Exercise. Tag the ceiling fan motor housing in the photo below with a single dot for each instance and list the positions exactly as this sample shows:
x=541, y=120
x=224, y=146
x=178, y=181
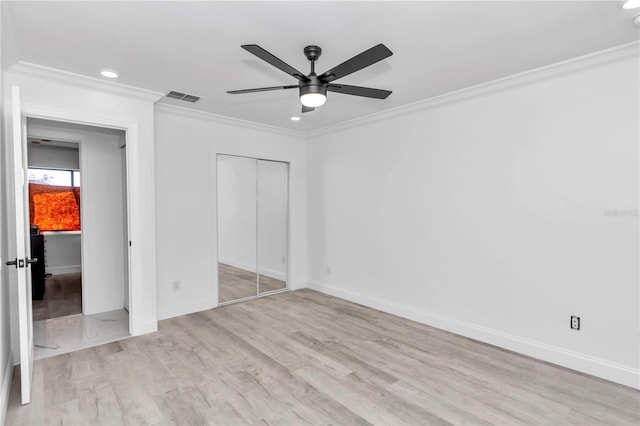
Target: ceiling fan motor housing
x=314, y=85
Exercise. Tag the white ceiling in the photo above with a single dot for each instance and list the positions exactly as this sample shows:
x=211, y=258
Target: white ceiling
x=194, y=47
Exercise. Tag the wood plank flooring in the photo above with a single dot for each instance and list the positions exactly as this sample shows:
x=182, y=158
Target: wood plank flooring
x=235, y=283
x=302, y=357
x=62, y=297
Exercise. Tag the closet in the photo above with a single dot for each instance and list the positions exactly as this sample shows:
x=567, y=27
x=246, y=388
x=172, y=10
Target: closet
x=253, y=222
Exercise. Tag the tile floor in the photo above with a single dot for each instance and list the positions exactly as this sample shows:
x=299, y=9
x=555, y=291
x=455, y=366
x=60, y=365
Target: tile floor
x=71, y=333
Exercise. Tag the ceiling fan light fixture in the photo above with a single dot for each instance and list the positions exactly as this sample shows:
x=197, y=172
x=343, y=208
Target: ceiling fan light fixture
x=313, y=100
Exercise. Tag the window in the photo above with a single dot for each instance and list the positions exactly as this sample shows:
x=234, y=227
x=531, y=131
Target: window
x=54, y=177
x=54, y=199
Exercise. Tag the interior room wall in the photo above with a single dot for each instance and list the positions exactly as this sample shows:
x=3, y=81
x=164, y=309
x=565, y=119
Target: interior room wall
x=53, y=157
x=101, y=213
x=63, y=252
x=186, y=148
x=497, y=217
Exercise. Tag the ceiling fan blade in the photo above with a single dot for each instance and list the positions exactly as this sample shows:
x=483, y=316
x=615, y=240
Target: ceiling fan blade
x=307, y=109
x=363, y=60
x=262, y=89
x=367, y=92
x=276, y=62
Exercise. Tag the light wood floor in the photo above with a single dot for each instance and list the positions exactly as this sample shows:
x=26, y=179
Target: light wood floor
x=235, y=283
x=306, y=358
x=62, y=297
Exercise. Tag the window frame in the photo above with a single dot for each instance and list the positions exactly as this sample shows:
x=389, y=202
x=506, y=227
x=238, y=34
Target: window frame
x=71, y=173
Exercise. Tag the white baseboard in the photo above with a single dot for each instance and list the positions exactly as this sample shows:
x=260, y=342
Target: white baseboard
x=185, y=309
x=271, y=273
x=64, y=269
x=576, y=361
x=6, y=388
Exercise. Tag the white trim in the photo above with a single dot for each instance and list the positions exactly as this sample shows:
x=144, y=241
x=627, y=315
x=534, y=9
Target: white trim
x=64, y=270
x=559, y=69
x=185, y=309
x=574, y=360
x=222, y=119
x=574, y=65
x=137, y=326
x=6, y=388
x=53, y=74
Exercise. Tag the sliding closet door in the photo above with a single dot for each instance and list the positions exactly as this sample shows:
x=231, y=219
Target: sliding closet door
x=273, y=207
x=237, y=229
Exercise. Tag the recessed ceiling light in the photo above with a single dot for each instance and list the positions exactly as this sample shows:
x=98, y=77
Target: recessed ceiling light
x=295, y=118
x=631, y=4
x=636, y=20
x=109, y=73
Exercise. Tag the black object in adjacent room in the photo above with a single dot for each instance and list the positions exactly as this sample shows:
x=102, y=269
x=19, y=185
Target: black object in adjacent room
x=37, y=269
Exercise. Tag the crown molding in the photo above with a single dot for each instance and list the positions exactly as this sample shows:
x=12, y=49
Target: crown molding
x=79, y=80
x=222, y=119
x=582, y=63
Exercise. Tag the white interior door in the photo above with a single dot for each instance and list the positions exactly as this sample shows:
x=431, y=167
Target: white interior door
x=22, y=247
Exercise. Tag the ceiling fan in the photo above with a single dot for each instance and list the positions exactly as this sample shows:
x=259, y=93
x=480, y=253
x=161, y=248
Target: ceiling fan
x=313, y=88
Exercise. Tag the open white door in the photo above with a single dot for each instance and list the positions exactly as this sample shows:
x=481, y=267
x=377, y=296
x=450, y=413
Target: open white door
x=22, y=247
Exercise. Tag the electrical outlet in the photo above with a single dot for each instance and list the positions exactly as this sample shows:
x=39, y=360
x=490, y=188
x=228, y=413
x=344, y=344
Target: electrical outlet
x=575, y=322
x=328, y=270
x=176, y=285
x=284, y=260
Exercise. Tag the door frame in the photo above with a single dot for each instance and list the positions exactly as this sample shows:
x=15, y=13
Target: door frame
x=133, y=219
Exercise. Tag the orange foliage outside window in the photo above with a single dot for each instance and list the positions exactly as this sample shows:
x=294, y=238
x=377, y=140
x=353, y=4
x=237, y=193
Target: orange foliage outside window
x=56, y=211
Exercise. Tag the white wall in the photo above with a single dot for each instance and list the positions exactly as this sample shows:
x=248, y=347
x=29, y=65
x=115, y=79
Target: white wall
x=186, y=148
x=63, y=96
x=102, y=216
x=54, y=157
x=491, y=217
x=63, y=253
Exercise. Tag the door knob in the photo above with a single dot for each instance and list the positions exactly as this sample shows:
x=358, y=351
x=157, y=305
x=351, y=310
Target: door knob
x=13, y=262
x=31, y=261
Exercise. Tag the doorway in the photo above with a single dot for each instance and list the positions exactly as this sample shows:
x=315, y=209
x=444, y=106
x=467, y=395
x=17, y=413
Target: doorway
x=84, y=301
x=253, y=227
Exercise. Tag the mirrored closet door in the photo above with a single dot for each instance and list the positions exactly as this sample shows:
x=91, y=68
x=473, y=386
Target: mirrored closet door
x=253, y=218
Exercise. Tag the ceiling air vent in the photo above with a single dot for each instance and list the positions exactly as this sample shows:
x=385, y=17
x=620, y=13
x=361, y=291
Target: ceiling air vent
x=183, y=96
